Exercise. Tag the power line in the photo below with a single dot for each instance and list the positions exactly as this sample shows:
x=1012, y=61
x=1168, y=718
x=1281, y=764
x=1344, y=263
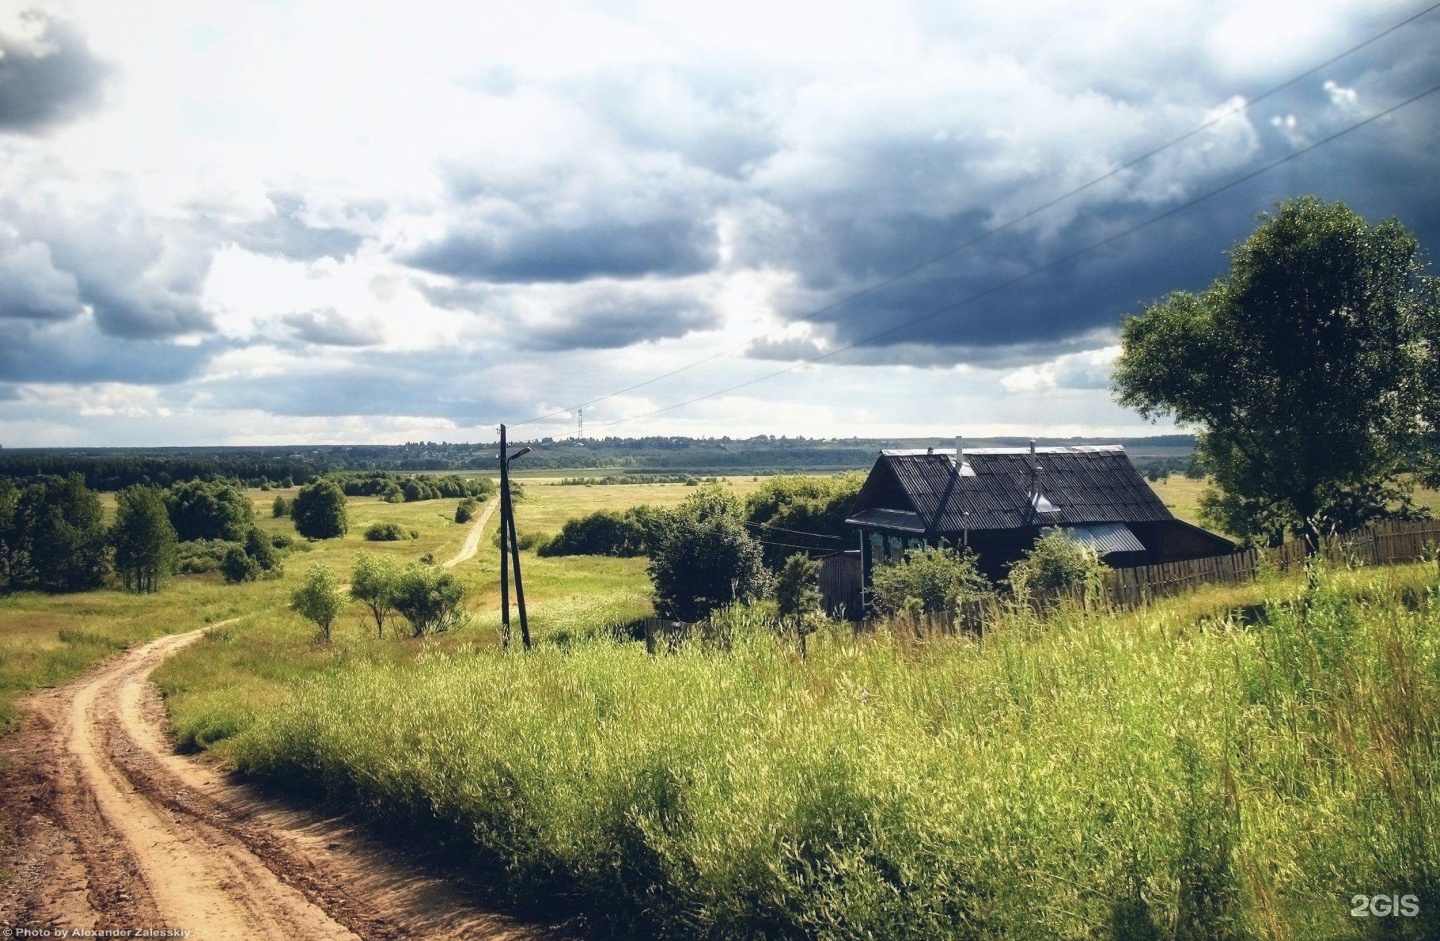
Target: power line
x=1222, y=115
x=791, y=545
x=1034, y=271
x=793, y=532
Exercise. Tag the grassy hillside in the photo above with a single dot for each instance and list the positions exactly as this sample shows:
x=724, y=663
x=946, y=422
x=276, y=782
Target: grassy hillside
x=1235, y=763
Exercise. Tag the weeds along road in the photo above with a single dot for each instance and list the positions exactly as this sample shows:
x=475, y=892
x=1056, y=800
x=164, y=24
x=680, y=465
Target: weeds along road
x=118, y=831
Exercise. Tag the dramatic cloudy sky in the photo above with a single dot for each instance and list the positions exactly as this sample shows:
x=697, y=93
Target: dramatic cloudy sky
x=308, y=221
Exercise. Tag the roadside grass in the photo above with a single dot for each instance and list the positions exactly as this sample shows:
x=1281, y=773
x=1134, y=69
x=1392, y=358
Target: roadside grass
x=1235, y=762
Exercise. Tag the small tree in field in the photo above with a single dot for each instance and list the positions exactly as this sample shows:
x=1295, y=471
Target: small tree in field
x=1056, y=565
x=237, y=566
x=797, y=595
x=319, y=511
x=705, y=563
x=928, y=579
x=430, y=598
x=373, y=584
x=281, y=507
x=319, y=599
x=143, y=538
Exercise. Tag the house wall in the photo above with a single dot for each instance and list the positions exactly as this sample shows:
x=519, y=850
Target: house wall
x=1173, y=541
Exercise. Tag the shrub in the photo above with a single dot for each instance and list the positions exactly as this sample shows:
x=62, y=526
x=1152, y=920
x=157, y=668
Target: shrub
x=607, y=532
x=1056, y=565
x=384, y=532
x=429, y=598
x=237, y=565
x=318, y=599
x=203, y=555
x=281, y=507
x=143, y=538
x=319, y=511
x=929, y=579
x=465, y=511
x=705, y=563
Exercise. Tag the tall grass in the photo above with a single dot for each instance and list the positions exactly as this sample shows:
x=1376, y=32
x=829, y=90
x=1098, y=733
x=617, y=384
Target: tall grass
x=1142, y=775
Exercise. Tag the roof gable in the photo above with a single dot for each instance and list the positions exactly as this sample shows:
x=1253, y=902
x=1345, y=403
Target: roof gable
x=1083, y=484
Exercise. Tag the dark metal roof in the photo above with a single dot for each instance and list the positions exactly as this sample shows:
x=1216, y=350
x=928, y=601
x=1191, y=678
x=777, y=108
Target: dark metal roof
x=1104, y=538
x=997, y=488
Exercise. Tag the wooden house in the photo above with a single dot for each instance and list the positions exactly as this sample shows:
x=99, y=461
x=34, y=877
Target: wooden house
x=999, y=501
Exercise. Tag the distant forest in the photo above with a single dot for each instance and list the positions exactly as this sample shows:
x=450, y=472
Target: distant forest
x=114, y=468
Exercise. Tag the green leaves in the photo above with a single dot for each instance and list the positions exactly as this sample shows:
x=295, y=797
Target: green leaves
x=1308, y=369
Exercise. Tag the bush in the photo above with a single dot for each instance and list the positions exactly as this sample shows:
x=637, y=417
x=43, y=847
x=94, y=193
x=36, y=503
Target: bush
x=237, y=566
x=281, y=507
x=607, y=532
x=429, y=598
x=319, y=511
x=318, y=599
x=706, y=562
x=203, y=555
x=384, y=532
x=465, y=511
x=934, y=580
x=1056, y=565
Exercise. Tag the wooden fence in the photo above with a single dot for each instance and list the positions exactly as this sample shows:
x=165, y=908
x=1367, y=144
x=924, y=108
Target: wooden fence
x=1384, y=543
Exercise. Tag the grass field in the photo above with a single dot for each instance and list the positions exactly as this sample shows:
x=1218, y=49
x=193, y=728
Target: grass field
x=48, y=639
x=1238, y=762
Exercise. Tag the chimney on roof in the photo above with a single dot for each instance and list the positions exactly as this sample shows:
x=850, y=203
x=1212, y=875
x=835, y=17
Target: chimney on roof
x=930, y=449
x=959, y=450
x=1032, y=449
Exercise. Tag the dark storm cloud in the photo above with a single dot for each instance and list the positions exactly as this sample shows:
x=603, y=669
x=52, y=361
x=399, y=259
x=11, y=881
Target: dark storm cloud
x=48, y=81
x=142, y=277
x=838, y=246
x=616, y=322
x=74, y=352
x=286, y=234
x=328, y=328
x=31, y=288
x=444, y=384
x=547, y=252
x=592, y=316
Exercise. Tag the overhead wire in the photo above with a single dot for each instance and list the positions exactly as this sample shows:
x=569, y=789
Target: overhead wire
x=1055, y=263
x=1215, y=119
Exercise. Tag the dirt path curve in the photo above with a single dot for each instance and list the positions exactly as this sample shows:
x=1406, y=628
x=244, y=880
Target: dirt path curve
x=117, y=831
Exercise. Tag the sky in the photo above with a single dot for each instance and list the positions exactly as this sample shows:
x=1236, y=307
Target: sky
x=313, y=222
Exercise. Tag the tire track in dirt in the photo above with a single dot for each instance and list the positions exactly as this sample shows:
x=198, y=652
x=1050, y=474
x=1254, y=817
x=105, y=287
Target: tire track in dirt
x=116, y=830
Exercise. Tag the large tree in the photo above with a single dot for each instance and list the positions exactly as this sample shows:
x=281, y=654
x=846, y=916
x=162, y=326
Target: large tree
x=143, y=538
x=209, y=509
x=1308, y=371
x=319, y=510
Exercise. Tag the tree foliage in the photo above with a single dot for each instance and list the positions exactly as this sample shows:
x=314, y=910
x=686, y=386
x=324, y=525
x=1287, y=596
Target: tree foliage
x=319, y=511
x=629, y=532
x=209, y=510
x=143, y=538
x=705, y=561
x=797, y=589
x=429, y=598
x=281, y=507
x=1309, y=371
x=931, y=579
x=52, y=536
x=373, y=583
x=319, y=599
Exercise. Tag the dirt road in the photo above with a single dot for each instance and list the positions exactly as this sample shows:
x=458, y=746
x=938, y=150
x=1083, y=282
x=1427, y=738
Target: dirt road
x=116, y=831
x=472, y=538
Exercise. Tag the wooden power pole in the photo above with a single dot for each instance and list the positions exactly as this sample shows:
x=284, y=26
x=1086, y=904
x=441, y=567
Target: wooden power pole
x=509, y=552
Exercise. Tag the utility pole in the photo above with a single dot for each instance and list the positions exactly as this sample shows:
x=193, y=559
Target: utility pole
x=510, y=550
x=580, y=431
x=504, y=535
